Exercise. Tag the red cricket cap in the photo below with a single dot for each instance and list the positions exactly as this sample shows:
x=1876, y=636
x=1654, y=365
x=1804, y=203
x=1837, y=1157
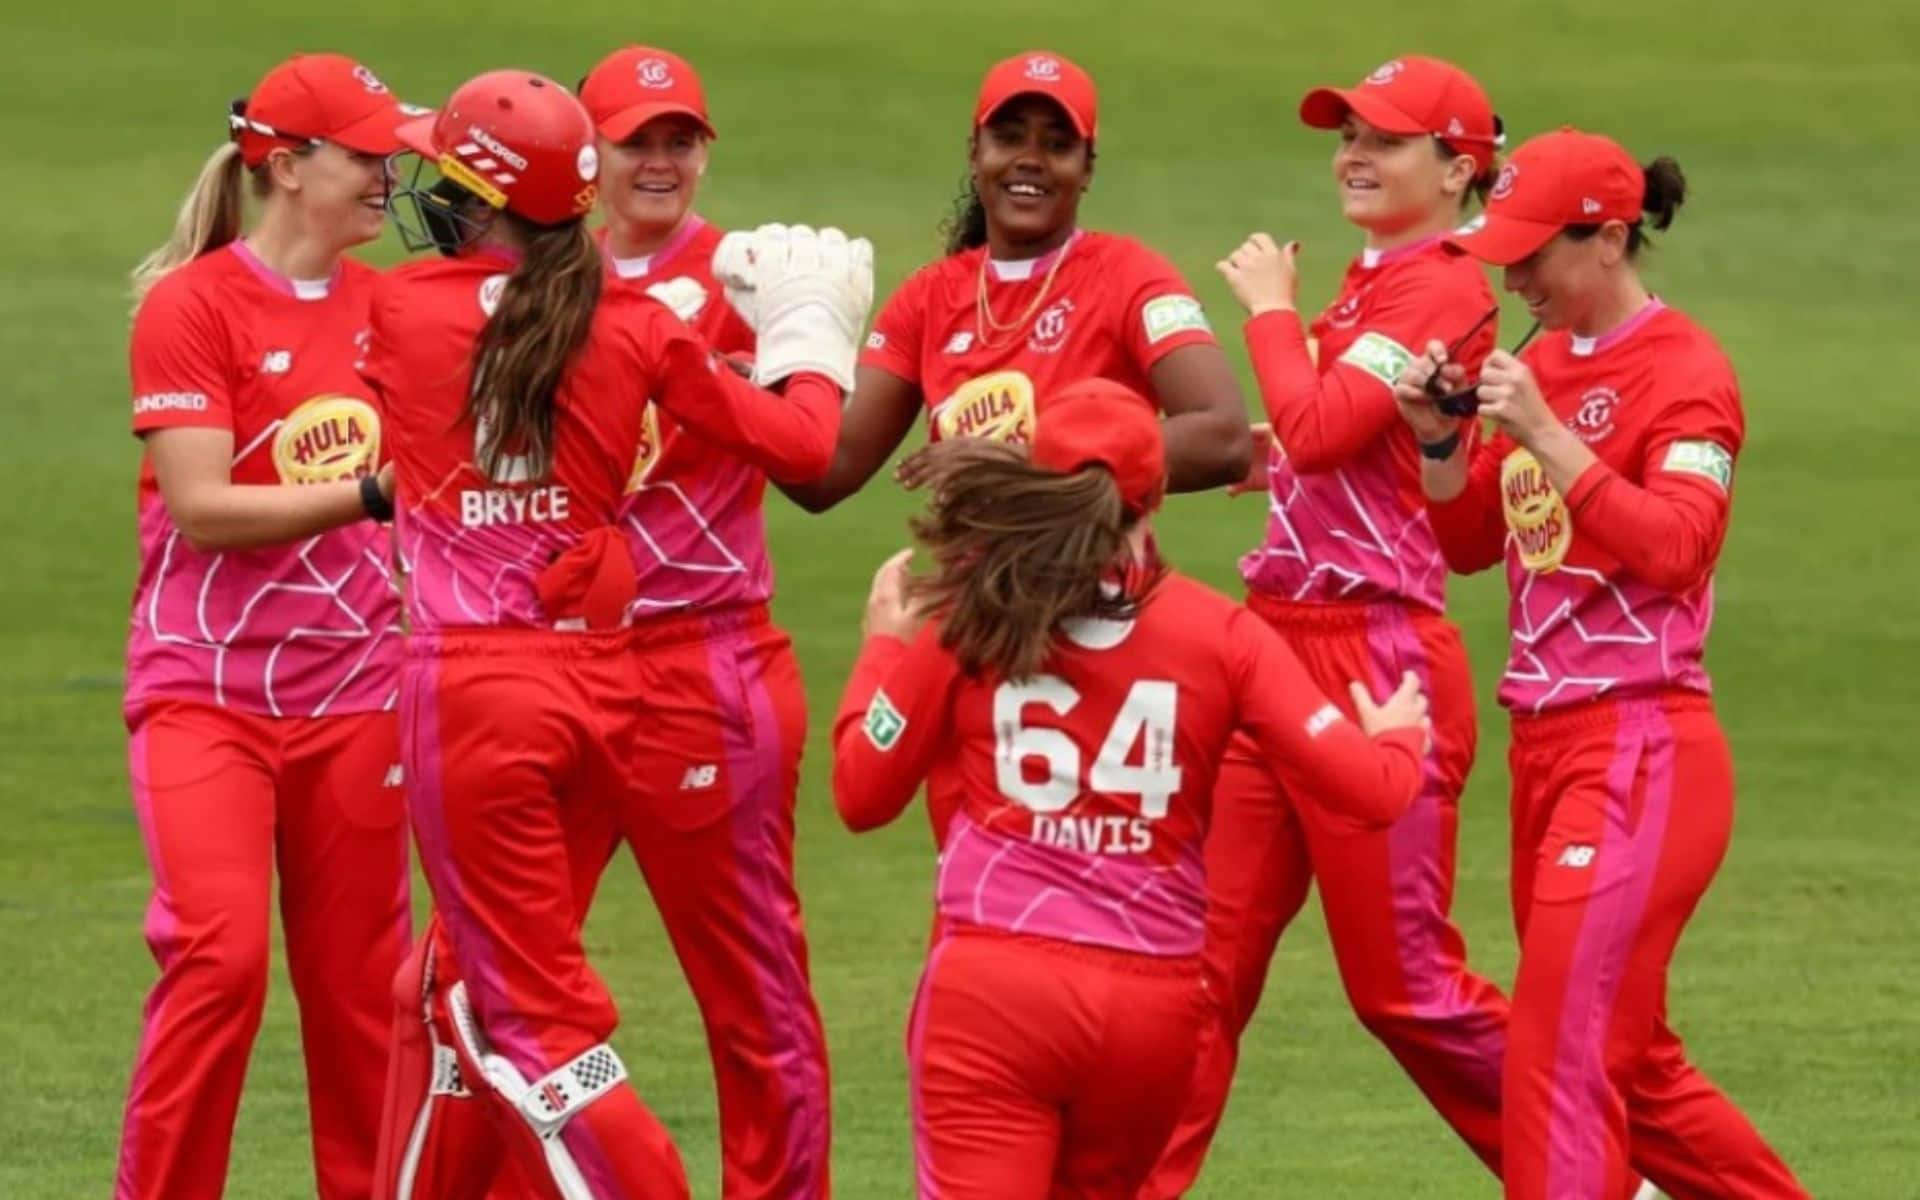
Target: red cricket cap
x=636, y=84
x=1100, y=422
x=1555, y=180
x=1414, y=94
x=1040, y=73
x=317, y=97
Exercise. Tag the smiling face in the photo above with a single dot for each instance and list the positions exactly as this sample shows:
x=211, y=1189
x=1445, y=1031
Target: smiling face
x=1567, y=282
x=648, y=181
x=1390, y=183
x=1030, y=166
x=341, y=194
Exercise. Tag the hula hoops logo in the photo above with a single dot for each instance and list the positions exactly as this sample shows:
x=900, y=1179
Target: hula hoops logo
x=588, y=164
x=326, y=439
x=369, y=80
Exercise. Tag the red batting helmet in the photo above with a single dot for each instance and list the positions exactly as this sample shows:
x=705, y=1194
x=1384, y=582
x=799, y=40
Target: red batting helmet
x=517, y=140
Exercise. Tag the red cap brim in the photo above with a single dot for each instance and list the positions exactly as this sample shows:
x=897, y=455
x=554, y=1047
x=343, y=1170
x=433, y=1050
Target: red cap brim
x=625, y=123
x=376, y=133
x=417, y=135
x=1079, y=124
x=1325, y=108
x=1503, y=241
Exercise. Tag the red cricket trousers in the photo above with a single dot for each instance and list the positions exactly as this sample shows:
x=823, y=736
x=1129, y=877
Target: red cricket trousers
x=224, y=798
x=1387, y=893
x=714, y=769
x=515, y=744
x=1044, y=1070
x=1622, y=810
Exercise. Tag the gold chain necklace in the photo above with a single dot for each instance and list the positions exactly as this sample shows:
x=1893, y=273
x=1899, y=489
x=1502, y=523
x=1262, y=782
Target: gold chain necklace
x=983, y=309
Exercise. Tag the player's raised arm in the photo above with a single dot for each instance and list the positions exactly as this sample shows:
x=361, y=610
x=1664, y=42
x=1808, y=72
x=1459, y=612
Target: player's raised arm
x=811, y=293
x=893, y=714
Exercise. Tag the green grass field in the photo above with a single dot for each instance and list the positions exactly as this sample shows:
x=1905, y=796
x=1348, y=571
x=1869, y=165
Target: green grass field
x=1798, y=985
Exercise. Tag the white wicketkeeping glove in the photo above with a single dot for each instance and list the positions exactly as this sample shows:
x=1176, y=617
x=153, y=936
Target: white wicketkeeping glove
x=733, y=266
x=811, y=295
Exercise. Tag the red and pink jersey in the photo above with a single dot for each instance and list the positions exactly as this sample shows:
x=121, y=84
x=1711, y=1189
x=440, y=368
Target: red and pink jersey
x=476, y=547
x=306, y=629
x=1087, y=790
x=1612, y=584
x=692, y=510
x=1346, y=521
x=1101, y=305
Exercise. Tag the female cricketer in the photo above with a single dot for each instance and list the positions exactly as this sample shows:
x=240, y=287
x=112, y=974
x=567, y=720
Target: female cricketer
x=715, y=771
x=1606, y=492
x=264, y=650
x=519, y=383
x=1350, y=573
x=1082, y=695
x=1025, y=302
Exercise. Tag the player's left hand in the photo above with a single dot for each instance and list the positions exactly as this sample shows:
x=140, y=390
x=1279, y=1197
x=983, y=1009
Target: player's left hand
x=1263, y=274
x=890, y=612
x=1510, y=397
x=932, y=464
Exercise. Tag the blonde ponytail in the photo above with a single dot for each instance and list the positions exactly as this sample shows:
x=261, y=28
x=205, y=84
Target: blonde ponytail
x=209, y=218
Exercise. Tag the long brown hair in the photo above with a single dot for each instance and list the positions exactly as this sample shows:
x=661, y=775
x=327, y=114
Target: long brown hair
x=541, y=322
x=1018, y=549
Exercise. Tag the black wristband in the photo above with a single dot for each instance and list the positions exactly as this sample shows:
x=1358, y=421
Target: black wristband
x=378, y=506
x=1441, y=450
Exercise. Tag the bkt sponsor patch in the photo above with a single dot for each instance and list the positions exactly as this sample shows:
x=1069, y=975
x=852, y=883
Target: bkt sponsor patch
x=1379, y=356
x=1708, y=460
x=1167, y=315
x=154, y=402
x=884, y=724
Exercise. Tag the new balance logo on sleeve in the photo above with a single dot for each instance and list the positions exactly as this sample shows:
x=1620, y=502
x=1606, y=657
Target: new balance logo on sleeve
x=1323, y=717
x=395, y=776
x=699, y=778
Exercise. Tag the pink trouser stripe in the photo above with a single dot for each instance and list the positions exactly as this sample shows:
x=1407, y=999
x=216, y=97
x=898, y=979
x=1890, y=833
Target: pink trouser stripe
x=755, y=762
x=1416, y=857
x=1625, y=867
x=916, y=1065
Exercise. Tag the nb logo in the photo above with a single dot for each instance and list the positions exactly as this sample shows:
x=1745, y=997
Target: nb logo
x=700, y=777
x=277, y=362
x=395, y=776
x=1577, y=857
x=960, y=343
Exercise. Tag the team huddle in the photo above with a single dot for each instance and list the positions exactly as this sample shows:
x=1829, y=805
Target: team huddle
x=469, y=555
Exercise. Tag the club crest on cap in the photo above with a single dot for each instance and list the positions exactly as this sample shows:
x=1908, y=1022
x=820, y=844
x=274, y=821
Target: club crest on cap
x=1043, y=68
x=1503, y=184
x=654, y=73
x=369, y=80
x=1455, y=128
x=1385, y=72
